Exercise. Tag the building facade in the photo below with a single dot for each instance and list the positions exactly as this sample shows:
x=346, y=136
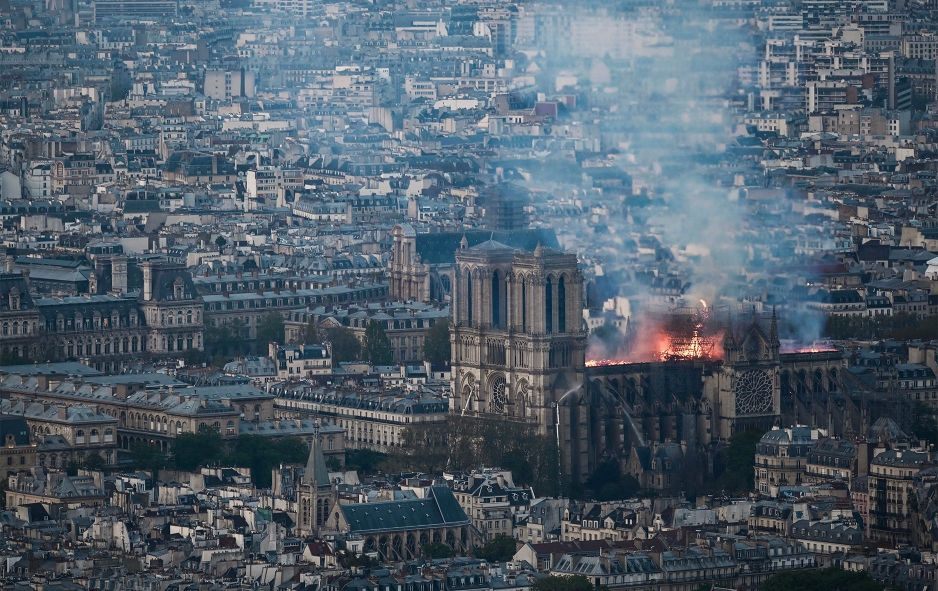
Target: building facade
x=518, y=342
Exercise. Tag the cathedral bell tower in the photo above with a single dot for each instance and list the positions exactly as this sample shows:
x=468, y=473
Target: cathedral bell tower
x=518, y=342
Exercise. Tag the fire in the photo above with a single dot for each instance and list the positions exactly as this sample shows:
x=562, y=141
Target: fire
x=815, y=347
x=681, y=336
x=661, y=346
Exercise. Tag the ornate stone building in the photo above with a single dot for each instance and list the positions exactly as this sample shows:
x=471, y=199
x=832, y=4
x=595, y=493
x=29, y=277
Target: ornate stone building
x=400, y=529
x=423, y=265
x=66, y=433
x=140, y=414
x=102, y=330
x=519, y=344
x=19, y=319
x=17, y=450
x=172, y=308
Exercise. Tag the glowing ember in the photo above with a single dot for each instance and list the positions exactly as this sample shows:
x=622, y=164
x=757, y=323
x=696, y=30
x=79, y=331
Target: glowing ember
x=815, y=347
x=664, y=347
x=605, y=362
x=680, y=337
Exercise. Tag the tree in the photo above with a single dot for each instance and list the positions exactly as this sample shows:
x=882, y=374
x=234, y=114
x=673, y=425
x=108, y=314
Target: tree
x=554, y=583
x=828, y=579
x=147, y=457
x=345, y=347
x=738, y=461
x=220, y=242
x=475, y=441
x=348, y=560
x=424, y=447
x=365, y=461
x=311, y=335
x=262, y=454
x=607, y=483
x=501, y=548
x=193, y=450
x=223, y=341
x=437, y=550
x=270, y=328
x=436, y=347
x=924, y=425
x=377, y=344
x=94, y=461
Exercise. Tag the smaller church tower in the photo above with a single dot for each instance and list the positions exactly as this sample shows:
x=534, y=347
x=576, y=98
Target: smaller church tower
x=315, y=495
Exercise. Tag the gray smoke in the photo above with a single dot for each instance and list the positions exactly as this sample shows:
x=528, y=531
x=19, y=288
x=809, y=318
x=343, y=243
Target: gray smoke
x=664, y=97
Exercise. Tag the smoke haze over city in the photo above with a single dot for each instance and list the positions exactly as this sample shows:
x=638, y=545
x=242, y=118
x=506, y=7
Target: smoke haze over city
x=468, y=295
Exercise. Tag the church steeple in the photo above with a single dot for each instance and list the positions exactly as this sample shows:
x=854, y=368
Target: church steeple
x=316, y=473
x=315, y=495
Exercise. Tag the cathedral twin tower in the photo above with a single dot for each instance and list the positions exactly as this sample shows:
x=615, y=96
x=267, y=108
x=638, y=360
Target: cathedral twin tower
x=518, y=341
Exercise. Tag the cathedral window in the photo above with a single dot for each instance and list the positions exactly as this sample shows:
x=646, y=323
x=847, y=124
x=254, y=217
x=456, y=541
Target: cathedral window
x=548, y=306
x=469, y=297
x=524, y=306
x=561, y=306
x=496, y=311
x=499, y=395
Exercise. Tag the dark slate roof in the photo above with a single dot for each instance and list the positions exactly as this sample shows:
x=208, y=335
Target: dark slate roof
x=164, y=279
x=437, y=510
x=440, y=247
x=9, y=282
x=316, y=473
x=15, y=426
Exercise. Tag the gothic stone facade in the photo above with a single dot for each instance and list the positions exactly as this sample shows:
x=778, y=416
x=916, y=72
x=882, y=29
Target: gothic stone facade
x=519, y=344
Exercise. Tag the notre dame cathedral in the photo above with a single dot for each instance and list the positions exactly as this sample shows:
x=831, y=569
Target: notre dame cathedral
x=518, y=355
x=518, y=344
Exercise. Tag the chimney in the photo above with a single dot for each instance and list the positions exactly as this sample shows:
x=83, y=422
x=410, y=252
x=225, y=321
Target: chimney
x=119, y=275
x=147, y=268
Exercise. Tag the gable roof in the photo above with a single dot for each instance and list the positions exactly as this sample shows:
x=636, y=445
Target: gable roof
x=438, y=509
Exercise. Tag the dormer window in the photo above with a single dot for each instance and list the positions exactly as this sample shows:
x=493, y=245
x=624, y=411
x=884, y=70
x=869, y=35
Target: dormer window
x=14, y=299
x=178, y=287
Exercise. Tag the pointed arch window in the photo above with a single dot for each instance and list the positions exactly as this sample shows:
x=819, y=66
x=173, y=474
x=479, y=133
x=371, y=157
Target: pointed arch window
x=469, y=297
x=496, y=304
x=549, y=306
x=561, y=306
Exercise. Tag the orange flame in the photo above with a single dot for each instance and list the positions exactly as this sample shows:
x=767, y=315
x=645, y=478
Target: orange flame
x=661, y=346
